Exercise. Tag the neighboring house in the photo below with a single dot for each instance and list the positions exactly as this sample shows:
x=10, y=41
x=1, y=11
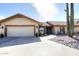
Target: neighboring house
x=19, y=26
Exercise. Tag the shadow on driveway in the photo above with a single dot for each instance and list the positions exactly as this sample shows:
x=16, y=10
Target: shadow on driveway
x=4, y=42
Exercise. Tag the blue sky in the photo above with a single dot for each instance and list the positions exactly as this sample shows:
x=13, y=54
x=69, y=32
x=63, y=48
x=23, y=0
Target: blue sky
x=35, y=11
x=8, y=9
x=61, y=16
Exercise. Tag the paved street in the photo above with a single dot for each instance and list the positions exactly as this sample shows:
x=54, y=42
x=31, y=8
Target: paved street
x=37, y=47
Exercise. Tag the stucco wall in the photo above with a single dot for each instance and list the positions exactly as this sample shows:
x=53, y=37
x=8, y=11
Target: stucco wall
x=56, y=29
x=65, y=30
x=20, y=21
x=76, y=29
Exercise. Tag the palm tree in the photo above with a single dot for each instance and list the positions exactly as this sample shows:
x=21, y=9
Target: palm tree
x=71, y=19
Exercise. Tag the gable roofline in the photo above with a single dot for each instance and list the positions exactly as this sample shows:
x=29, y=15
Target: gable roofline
x=60, y=23
x=18, y=16
x=57, y=23
x=45, y=24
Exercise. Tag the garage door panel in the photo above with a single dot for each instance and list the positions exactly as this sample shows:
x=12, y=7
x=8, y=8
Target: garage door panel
x=20, y=31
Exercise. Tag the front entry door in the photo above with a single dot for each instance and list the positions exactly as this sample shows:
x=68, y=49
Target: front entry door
x=48, y=30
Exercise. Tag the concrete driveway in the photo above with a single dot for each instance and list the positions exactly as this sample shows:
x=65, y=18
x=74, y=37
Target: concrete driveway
x=41, y=46
x=11, y=41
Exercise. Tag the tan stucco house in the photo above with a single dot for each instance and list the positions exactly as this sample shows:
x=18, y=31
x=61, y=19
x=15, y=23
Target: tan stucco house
x=19, y=25
x=22, y=26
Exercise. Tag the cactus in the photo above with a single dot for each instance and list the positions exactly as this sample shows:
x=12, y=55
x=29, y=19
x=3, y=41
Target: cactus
x=71, y=19
x=68, y=21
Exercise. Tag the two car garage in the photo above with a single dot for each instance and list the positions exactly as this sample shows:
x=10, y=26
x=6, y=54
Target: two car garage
x=20, y=31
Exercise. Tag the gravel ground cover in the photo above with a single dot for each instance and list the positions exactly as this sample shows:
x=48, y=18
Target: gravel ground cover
x=66, y=40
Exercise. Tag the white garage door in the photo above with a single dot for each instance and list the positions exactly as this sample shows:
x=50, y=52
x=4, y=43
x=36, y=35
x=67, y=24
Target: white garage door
x=20, y=31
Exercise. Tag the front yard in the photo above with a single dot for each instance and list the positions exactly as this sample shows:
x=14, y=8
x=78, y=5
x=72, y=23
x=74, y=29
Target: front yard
x=41, y=46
